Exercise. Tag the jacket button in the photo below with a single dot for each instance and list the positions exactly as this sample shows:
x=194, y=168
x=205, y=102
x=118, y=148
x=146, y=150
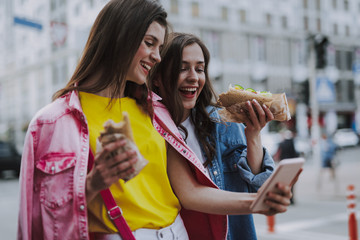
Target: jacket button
x=82, y=207
x=215, y=173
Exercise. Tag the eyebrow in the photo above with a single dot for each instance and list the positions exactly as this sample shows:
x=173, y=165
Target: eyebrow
x=198, y=62
x=153, y=37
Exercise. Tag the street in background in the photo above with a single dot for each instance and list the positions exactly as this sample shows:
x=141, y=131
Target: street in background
x=317, y=213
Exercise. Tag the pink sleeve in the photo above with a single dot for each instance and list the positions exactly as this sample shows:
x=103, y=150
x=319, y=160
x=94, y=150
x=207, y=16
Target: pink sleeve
x=26, y=189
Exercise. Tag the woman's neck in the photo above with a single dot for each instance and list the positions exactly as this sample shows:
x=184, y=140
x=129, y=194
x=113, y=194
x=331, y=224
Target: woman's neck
x=186, y=115
x=107, y=92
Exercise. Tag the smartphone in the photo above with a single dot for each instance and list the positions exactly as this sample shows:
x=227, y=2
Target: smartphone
x=285, y=173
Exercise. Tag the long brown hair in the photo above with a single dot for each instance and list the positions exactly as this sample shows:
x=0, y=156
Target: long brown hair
x=168, y=71
x=113, y=42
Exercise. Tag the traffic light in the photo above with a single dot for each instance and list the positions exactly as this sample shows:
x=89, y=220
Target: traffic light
x=321, y=43
x=303, y=92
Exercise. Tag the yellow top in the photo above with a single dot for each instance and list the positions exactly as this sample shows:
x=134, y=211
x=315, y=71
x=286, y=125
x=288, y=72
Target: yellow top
x=147, y=200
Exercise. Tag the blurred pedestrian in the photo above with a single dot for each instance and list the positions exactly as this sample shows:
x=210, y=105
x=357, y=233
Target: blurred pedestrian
x=328, y=158
x=286, y=149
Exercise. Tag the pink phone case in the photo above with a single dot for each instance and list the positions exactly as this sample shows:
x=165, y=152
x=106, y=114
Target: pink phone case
x=285, y=172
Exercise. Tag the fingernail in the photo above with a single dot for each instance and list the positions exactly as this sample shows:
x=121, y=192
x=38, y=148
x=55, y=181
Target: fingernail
x=264, y=106
x=254, y=100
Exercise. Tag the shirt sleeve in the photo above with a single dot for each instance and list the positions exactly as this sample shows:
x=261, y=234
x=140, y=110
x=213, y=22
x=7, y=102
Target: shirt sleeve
x=256, y=180
x=26, y=189
x=233, y=151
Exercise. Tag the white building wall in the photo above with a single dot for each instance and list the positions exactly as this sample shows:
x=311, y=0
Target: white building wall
x=32, y=67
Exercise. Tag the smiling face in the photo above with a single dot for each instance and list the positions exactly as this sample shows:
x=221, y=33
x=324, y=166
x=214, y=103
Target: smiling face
x=147, y=55
x=192, y=76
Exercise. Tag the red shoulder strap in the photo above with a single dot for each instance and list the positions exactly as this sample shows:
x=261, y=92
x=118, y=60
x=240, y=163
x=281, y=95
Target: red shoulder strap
x=114, y=211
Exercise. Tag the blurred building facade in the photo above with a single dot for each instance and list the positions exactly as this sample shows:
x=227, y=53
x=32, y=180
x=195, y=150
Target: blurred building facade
x=260, y=44
x=41, y=42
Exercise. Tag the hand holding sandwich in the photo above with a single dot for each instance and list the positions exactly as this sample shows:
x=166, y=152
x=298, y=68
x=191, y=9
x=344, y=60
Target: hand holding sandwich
x=258, y=116
x=117, y=157
x=109, y=168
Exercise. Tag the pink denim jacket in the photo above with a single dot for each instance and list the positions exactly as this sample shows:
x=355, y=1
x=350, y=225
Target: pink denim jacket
x=54, y=168
x=53, y=173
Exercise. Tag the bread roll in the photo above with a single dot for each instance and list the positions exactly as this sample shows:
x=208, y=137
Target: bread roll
x=235, y=99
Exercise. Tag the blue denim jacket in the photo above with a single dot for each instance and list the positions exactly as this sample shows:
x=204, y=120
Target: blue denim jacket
x=230, y=171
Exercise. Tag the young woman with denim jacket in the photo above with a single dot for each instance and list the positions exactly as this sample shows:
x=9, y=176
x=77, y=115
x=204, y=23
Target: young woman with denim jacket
x=232, y=153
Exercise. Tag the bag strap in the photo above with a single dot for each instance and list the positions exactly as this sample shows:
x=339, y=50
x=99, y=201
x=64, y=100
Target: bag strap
x=114, y=211
x=115, y=214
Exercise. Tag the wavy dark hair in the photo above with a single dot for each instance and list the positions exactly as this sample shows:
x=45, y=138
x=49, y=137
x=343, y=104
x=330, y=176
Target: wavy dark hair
x=112, y=44
x=166, y=74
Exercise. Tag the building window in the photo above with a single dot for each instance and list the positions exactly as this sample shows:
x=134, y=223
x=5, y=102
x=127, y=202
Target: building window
x=284, y=22
x=232, y=52
x=331, y=56
x=344, y=91
x=318, y=24
x=39, y=11
x=24, y=92
x=91, y=3
x=335, y=29
x=195, y=9
x=346, y=5
x=299, y=56
x=242, y=14
x=344, y=60
x=224, y=13
x=62, y=3
x=334, y=4
x=64, y=72
x=212, y=41
x=305, y=4
x=258, y=49
x=77, y=9
x=347, y=30
x=53, y=5
x=306, y=23
x=174, y=6
x=349, y=60
x=268, y=19
x=55, y=75
x=318, y=5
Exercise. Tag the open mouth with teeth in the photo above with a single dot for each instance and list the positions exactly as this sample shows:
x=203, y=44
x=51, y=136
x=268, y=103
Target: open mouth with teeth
x=145, y=66
x=188, y=92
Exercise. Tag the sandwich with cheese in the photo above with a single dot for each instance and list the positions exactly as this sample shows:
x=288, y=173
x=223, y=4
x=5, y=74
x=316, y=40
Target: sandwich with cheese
x=236, y=97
